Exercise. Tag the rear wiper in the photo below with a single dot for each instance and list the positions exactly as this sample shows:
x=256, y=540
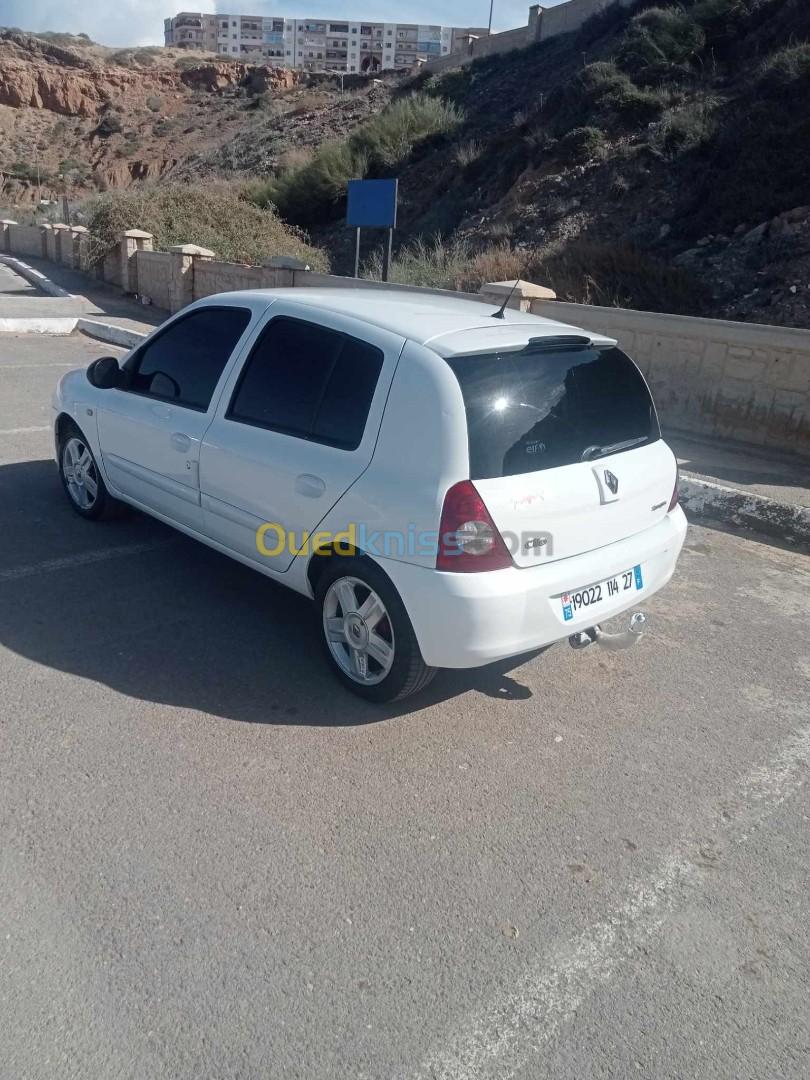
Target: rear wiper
x=591, y=452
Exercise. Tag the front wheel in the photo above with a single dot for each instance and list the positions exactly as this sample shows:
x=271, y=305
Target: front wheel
x=368, y=636
x=81, y=478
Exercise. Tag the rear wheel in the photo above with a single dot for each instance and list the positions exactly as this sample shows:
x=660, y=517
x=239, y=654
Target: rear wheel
x=81, y=478
x=367, y=634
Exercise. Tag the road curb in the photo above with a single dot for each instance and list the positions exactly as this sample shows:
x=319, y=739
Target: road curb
x=734, y=507
x=62, y=326
x=45, y=325
x=115, y=335
x=36, y=278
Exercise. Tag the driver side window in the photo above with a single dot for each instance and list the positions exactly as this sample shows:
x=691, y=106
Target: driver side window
x=183, y=364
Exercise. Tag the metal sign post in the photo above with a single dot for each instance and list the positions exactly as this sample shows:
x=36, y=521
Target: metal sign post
x=372, y=204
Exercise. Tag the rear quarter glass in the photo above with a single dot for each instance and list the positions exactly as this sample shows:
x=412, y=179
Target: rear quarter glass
x=541, y=408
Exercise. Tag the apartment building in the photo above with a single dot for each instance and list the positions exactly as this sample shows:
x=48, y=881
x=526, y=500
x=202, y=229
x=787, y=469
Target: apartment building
x=350, y=45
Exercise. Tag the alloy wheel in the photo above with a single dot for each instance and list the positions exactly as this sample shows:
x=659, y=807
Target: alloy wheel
x=80, y=474
x=358, y=631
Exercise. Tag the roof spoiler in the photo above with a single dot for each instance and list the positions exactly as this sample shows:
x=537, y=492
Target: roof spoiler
x=558, y=341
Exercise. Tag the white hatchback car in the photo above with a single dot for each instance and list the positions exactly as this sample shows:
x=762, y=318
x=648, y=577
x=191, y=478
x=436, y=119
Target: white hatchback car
x=452, y=485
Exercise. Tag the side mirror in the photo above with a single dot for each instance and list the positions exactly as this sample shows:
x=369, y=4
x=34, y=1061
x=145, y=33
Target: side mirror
x=104, y=374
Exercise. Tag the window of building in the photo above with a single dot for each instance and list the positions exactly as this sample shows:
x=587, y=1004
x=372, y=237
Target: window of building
x=324, y=395
x=184, y=362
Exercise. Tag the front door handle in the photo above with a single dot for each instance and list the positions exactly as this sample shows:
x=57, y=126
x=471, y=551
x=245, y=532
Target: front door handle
x=181, y=442
x=309, y=485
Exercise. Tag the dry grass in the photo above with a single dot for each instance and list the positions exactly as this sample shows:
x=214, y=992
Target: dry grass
x=450, y=264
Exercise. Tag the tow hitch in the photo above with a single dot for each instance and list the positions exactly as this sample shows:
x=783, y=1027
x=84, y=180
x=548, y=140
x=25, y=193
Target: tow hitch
x=625, y=640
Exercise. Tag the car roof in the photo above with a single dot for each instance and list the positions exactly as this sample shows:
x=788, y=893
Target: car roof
x=449, y=325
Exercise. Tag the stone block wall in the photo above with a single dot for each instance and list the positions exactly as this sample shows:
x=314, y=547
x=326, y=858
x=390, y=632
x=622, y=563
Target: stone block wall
x=25, y=240
x=212, y=276
x=713, y=378
x=154, y=276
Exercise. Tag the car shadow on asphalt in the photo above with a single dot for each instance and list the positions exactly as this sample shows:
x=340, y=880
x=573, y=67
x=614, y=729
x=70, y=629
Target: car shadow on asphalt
x=154, y=615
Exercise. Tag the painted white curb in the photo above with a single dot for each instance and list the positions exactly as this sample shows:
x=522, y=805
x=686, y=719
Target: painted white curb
x=36, y=278
x=735, y=507
x=103, y=331
x=115, y=335
x=38, y=326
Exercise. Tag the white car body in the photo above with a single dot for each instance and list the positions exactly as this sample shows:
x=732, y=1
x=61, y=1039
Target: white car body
x=219, y=480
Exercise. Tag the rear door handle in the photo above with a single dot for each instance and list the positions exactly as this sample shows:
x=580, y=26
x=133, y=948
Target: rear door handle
x=311, y=486
x=181, y=442
x=163, y=412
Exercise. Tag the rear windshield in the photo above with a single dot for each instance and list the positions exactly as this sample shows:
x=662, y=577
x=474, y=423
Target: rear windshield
x=534, y=410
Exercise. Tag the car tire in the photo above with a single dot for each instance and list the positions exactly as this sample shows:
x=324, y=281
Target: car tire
x=366, y=633
x=81, y=478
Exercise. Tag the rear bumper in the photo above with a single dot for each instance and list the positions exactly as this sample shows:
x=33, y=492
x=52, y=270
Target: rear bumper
x=466, y=620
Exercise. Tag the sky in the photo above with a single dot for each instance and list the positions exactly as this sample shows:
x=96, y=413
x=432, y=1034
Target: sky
x=140, y=22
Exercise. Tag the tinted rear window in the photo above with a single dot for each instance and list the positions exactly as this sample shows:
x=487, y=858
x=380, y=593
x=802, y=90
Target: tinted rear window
x=529, y=411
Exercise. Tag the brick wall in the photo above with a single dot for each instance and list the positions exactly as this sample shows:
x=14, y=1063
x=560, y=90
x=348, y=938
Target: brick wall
x=709, y=377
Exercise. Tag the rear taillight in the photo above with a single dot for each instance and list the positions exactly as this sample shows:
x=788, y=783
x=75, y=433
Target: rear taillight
x=673, y=502
x=468, y=539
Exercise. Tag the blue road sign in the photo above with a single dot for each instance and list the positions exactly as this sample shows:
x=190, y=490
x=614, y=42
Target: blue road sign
x=372, y=204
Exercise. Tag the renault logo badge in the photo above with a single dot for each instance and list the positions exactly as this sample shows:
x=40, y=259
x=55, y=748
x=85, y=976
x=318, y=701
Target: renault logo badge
x=611, y=481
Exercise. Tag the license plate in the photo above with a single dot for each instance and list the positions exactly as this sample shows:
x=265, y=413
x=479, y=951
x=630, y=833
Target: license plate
x=594, y=596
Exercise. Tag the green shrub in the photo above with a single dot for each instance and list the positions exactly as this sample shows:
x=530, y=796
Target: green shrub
x=143, y=56
x=785, y=69
x=723, y=20
x=313, y=191
x=582, y=144
x=388, y=138
x=449, y=264
x=23, y=170
x=109, y=124
x=154, y=103
x=685, y=129
x=602, y=92
x=451, y=85
x=660, y=36
x=211, y=215
x=74, y=169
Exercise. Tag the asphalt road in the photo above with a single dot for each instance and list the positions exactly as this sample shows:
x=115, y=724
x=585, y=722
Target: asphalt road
x=216, y=864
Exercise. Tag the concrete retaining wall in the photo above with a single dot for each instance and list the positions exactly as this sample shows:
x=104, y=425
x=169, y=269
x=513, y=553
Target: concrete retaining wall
x=740, y=381
x=518, y=38
x=565, y=18
x=543, y=23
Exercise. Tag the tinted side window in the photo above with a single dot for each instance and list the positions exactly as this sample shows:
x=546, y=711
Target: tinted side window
x=184, y=363
x=308, y=381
